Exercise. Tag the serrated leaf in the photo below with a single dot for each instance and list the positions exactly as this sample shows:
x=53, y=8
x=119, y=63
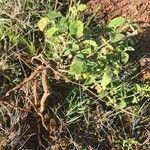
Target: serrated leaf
x=50, y=32
x=117, y=22
x=43, y=23
x=76, y=28
x=106, y=79
x=124, y=57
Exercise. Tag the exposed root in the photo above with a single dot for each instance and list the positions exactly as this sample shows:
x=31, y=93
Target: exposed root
x=45, y=89
x=30, y=78
x=33, y=77
x=35, y=92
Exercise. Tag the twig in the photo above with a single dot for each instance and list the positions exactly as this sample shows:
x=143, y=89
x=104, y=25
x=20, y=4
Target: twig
x=46, y=90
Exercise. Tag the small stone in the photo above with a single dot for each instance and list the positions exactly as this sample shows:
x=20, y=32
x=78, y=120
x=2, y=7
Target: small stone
x=145, y=68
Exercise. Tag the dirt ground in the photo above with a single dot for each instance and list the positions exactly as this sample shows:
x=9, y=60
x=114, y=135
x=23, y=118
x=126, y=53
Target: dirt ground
x=136, y=10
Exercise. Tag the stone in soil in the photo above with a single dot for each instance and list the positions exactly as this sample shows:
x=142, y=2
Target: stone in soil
x=145, y=68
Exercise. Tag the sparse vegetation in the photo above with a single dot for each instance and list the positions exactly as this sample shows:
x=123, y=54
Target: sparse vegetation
x=66, y=79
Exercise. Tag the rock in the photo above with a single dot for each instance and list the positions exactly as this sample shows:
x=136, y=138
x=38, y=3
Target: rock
x=145, y=68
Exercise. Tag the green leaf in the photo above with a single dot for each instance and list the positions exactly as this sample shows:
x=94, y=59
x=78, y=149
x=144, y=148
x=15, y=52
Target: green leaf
x=116, y=22
x=90, y=43
x=77, y=66
x=124, y=57
x=63, y=24
x=90, y=79
x=81, y=7
x=137, y=87
x=76, y=28
x=55, y=55
x=131, y=49
x=67, y=52
x=73, y=119
x=117, y=68
x=92, y=64
x=42, y=24
x=122, y=104
x=134, y=101
x=51, y=31
x=1, y=30
x=75, y=47
x=79, y=56
x=116, y=71
x=87, y=51
x=106, y=79
x=54, y=14
x=117, y=38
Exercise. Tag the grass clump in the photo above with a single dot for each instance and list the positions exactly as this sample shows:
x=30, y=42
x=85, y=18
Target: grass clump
x=72, y=78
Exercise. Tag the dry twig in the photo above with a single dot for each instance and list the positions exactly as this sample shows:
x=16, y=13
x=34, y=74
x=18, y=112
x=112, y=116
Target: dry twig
x=46, y=90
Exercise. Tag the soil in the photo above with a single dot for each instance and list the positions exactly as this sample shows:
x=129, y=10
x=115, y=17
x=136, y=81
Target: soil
x=136, y=10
